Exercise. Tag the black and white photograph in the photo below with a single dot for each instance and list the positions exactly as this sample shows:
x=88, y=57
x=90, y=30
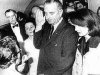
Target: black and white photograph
x=49, y=37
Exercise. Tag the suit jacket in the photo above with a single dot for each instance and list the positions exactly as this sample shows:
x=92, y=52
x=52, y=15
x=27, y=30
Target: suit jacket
x=6, y=29
x=58, y=53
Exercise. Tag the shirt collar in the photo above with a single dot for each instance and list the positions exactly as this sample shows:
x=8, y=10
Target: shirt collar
x=14, y=24
x=56, y=25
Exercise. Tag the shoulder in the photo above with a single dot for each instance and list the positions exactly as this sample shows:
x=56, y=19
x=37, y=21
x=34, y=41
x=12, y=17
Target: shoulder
x=69, y=33
x=5, y=26
x=69, y=29
x=94, y=42
x=46, y=25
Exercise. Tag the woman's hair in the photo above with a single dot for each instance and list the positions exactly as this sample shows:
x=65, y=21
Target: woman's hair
x=30, y=21
x=87, y=18
x=98, y=11
x=7, y=44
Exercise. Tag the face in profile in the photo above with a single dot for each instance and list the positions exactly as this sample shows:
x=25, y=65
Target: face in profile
x=29, y=27
x=52, y=13
x=82, y=31
x=11, y=16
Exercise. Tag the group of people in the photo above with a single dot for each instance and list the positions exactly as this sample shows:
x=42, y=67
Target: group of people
x=75, y=5
x=87, y=24
x=22, y=30
x=47, y=44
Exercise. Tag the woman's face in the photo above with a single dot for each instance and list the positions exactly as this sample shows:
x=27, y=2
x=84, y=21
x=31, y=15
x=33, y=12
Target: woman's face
x=82, y=31
x=29, y=27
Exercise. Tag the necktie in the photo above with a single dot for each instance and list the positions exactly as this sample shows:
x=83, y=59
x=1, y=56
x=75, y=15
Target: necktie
x=83, y=46
x=51, y=31
x=15, y=26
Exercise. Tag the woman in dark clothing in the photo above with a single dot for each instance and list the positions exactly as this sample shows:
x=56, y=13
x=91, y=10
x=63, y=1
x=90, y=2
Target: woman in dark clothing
x=87, y=24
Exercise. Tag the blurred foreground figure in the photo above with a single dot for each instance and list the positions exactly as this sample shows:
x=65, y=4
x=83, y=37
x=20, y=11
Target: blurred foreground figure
x=9, y=56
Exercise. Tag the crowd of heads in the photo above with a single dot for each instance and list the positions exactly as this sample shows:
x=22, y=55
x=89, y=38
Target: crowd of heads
x=74, y=5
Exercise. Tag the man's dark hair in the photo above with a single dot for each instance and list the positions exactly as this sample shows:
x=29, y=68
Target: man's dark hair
x=9, y=10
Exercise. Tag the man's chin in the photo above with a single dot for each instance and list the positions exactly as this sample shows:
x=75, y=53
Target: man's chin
x=50, y=22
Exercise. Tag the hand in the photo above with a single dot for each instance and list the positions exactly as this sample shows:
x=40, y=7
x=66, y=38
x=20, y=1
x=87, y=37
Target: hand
x=40, y=19
x=24, y=58
x=21, y=67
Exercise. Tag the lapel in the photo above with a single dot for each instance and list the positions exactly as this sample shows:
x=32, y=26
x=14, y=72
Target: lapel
x=21, y=27
x=10, y=28
x=57, y=32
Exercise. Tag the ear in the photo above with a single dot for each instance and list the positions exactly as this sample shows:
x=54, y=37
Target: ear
x=15, y=15
x=61, y=12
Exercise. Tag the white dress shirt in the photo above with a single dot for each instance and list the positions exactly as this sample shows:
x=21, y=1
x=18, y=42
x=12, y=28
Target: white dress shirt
x=17, y=33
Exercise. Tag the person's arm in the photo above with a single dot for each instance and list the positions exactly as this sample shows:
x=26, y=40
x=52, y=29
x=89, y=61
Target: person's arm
x=41, y=37
x=23, y=66
x=38, y=39
x=40, y=20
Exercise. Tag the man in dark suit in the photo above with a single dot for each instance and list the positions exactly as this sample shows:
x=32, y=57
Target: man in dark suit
x=57, y=54
x=15, y=27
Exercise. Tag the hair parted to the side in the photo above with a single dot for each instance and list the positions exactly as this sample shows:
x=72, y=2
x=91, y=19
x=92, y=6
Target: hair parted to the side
x=86, y=17
x=9, y=10
x=55, y=1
